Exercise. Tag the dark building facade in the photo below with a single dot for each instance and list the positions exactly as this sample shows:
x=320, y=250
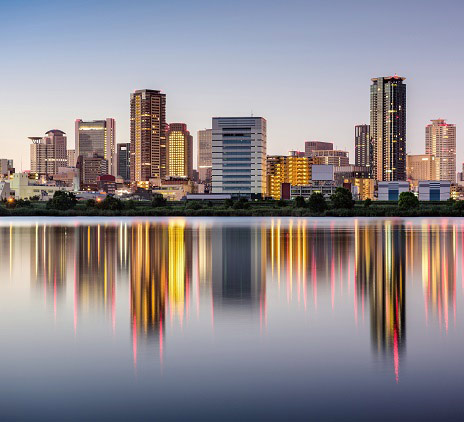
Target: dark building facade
x=362, y=146
x=147, y=135
x=124, y=161
x=388, y=127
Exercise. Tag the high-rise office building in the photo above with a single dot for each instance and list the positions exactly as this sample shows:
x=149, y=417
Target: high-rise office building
x=362, y=146
x=421, y=167
x=91, y=167
x=147, y=135
x=333, y=157
x=311, y=146
x=123, y=159
x=179, y=151
x=239, y=156
x=440, y=141
x=49, y=153
x=388, y=128
x=204, y=159
x=294, y=170
x=97, y=137
x=72, y=157
x=6, y=166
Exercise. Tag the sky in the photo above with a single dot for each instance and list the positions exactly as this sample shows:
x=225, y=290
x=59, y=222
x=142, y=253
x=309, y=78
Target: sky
x=303, y=65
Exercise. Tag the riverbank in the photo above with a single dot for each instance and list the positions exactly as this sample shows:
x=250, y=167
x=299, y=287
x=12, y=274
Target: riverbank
x=250, y=209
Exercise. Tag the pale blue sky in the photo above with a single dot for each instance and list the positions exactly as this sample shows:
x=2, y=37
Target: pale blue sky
x=303, y=65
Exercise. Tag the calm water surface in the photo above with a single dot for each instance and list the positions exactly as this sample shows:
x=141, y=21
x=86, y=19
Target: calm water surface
x=210, y=318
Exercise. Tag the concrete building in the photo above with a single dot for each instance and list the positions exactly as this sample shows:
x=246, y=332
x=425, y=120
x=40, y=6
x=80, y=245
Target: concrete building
x=440, y=141
x=6, y=166
x=391, y=191
x=286, y=169
x=4, y=190
x=362, y=189
x=68, y=176
x=25, y=188
x=341, y=173
x=72, y=157
x=322, y=181
x=91, y=167
x=123, y=159
x=432, y=190
x=421, y=167
x=204, y=159
x=49, y=153
x=97, y=137
x=179, y=151
x=362, y=146
x=331, y=157
x=388, y=128
x=239, y=156
x=311, y=146
x=147, y=135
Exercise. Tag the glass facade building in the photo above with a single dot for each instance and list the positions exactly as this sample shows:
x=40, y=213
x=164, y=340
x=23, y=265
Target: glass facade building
x=97, y=137
x=147, y=135
x=124, y=161
x=362, y=146
x=388, y=128
x=239, y=156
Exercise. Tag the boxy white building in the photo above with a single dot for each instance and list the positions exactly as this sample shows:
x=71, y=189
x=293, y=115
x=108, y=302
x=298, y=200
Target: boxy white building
x=391, y=191
x=433, y=190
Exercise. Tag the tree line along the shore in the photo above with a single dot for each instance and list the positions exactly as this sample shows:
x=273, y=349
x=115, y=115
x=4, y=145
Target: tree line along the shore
x=340, y=204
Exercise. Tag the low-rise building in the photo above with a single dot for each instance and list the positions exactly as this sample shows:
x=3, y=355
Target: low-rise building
x=431, y=190
x=326, y=188
x=26, y=188
x=391, y=191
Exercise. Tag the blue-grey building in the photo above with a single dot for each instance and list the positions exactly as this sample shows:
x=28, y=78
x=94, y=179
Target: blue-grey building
x=239, y=156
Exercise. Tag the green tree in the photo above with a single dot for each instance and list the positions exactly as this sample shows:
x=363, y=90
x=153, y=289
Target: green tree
x=367, y=202
x=62, y=200
x=281, y=203
x=342, y=198
x=300, y=202
x=317, y=202
x=158, y=201
x=111, y=203
x=408, y=200
x=242, y=203
x=228, y=203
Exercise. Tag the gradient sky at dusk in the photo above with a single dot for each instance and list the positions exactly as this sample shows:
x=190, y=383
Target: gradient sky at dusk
x=303, y=65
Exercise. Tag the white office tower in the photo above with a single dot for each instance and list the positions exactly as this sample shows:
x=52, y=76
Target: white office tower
x=239, y=156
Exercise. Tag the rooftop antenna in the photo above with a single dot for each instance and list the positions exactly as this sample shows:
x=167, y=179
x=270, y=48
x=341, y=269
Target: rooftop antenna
x=251, y=113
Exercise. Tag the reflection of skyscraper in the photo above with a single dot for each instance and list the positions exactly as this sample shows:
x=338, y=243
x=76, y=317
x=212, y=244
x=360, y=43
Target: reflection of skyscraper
x=48, y=260
x=96, y=267
x=238, y=266
x=439, y=272
x=385, y=248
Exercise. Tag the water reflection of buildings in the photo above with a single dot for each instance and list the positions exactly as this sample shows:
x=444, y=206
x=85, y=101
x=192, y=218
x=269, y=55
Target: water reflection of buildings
x=48, y=261
x=437, y=246
x=95, y=267
x=238, y=268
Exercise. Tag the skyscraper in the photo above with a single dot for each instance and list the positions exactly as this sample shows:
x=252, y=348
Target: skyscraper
x=440, y=141
x=72, y=157
x=124, y=161
x=97, y=137
x=362, y=146
x=239, y=156
x=147, y=135
x=311, y=146
x=204, y=160
x=179, y=151
x=49, y=153
x=388, y=128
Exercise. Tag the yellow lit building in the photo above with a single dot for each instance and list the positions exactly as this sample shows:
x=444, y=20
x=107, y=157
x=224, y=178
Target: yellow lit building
x=421, y=167
x=365, y=187
x=286, y=169
x=179, y=151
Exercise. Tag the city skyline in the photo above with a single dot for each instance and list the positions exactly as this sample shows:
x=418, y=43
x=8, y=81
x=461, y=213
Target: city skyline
x=308, y=53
